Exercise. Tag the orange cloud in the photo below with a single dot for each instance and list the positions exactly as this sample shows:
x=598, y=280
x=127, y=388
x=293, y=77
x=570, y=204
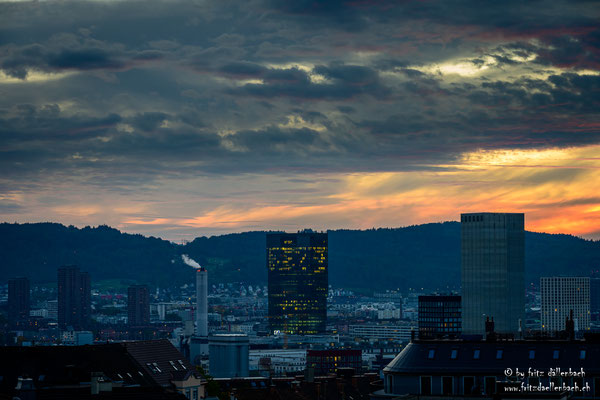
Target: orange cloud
x=557, y=189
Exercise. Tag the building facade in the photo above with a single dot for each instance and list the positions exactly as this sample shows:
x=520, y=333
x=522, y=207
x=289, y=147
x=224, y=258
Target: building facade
x=493, y=272
x=329, y=361
x=439, y=316
x=74, y=298
x=560, y=295
x=595, y=298
x=298, y=283
x=18, y=299
x=400, y=332
x=138, y=305
x=228, y=355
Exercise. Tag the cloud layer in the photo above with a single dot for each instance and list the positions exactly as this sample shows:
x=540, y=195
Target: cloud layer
x=183, y=118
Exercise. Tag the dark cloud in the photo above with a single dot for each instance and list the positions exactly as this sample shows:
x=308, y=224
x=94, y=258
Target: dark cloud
x=306, y=85
x=149, y=121
x=9, y=207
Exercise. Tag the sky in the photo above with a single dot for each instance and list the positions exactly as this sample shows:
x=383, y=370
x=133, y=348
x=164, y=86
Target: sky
x=180, y=119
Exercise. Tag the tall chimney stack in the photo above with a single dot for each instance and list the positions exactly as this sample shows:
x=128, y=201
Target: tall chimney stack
x=202, y=308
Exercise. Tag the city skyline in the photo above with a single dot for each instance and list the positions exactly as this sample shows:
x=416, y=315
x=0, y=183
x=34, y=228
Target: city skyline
x=182, y=119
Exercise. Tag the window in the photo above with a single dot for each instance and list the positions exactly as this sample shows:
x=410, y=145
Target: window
x=469, y=385
x=426, y=385
x=499, y=354
x=476, y=353
x=447, y=385
x=454, y=354
x=531, y=354
x=555, y=354
x=490, y=385
x=431, y=354
x=582, y=354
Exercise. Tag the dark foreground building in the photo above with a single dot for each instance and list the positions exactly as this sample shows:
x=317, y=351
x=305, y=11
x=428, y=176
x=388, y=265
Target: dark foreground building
x=74, y=298
x=132, y=370
x=483, y=369
x=298, y=285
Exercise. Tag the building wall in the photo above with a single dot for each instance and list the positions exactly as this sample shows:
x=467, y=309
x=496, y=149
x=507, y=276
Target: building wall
x=328, y=361
x=138, y=305
x=439, y=315
x=399, y=332
x=493, y=271
x=74, y=297
x=298, y=283
x=228, y=356
x=560, y=295
x=595, y=295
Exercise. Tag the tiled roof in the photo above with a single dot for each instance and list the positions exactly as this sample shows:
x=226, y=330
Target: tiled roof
x=143, y=363
x=159, y=358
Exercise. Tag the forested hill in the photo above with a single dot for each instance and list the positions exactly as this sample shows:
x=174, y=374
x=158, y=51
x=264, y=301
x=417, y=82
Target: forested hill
x=418, y=256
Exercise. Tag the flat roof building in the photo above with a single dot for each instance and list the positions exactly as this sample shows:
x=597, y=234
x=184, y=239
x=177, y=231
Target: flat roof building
x=493, y=272
x=298, y=283
x=228, y=355
x=439, y=315
x=74, y=298
x=560, y=295
x=18, y=299
x=138, y=305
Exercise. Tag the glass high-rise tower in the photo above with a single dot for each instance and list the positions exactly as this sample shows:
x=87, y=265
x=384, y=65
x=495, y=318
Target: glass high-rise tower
x=298, y=284
x=493, y=271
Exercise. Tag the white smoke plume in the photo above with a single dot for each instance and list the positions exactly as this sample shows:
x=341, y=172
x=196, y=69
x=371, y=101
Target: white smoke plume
x=190, y=262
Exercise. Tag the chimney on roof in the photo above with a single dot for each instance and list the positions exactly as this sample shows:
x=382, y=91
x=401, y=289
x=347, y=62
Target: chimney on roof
x=100, y=383
x=490, y=335
x=202, y=309
x=570, y=326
